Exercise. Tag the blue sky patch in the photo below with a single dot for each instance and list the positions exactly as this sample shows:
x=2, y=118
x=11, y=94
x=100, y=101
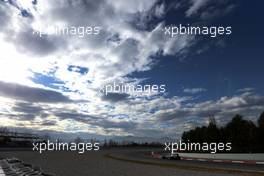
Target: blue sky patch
x=49, y=81
x=78, y=69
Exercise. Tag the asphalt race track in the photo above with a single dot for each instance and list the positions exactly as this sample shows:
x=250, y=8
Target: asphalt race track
x=144, y=157
x=124, y=162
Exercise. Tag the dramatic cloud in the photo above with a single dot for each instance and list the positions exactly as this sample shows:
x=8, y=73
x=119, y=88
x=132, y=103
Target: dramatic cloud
x=96, y=121
x=3, y=17
x=31, y=94
x=35, y=45
x=115, y=97
x=27, y=108
x=48, y=123
x=225, y=108
x=41, y=76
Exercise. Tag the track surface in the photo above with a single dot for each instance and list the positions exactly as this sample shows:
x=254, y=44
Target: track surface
x=144, y=156
x=96, y=164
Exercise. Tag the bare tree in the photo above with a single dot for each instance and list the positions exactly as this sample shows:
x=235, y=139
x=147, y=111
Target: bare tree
x=4, y=131
x=78, y=140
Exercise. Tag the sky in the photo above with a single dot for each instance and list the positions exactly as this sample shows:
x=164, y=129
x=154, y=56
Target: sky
x=52, y=83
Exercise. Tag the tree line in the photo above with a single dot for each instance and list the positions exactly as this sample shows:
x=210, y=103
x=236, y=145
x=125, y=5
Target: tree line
x=245, y=135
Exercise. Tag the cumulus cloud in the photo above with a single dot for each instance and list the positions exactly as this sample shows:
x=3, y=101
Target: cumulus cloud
x=4, y=18
x=130, y=41
x=106, y=57
x=32, y=44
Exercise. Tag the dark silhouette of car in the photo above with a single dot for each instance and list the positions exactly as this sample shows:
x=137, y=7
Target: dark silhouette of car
x=175, y=156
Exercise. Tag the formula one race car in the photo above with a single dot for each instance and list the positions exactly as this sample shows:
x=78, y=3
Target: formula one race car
x=174, y=156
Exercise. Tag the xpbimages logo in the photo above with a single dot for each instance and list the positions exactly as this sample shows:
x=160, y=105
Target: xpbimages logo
x=180, y=146
x=80, y=31
x=212, y=31
x=132, y=89
x=63, y=146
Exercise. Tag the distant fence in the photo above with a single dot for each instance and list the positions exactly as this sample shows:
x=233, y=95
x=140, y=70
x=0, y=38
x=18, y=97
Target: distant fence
x=19, y=136
x=231, y=156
